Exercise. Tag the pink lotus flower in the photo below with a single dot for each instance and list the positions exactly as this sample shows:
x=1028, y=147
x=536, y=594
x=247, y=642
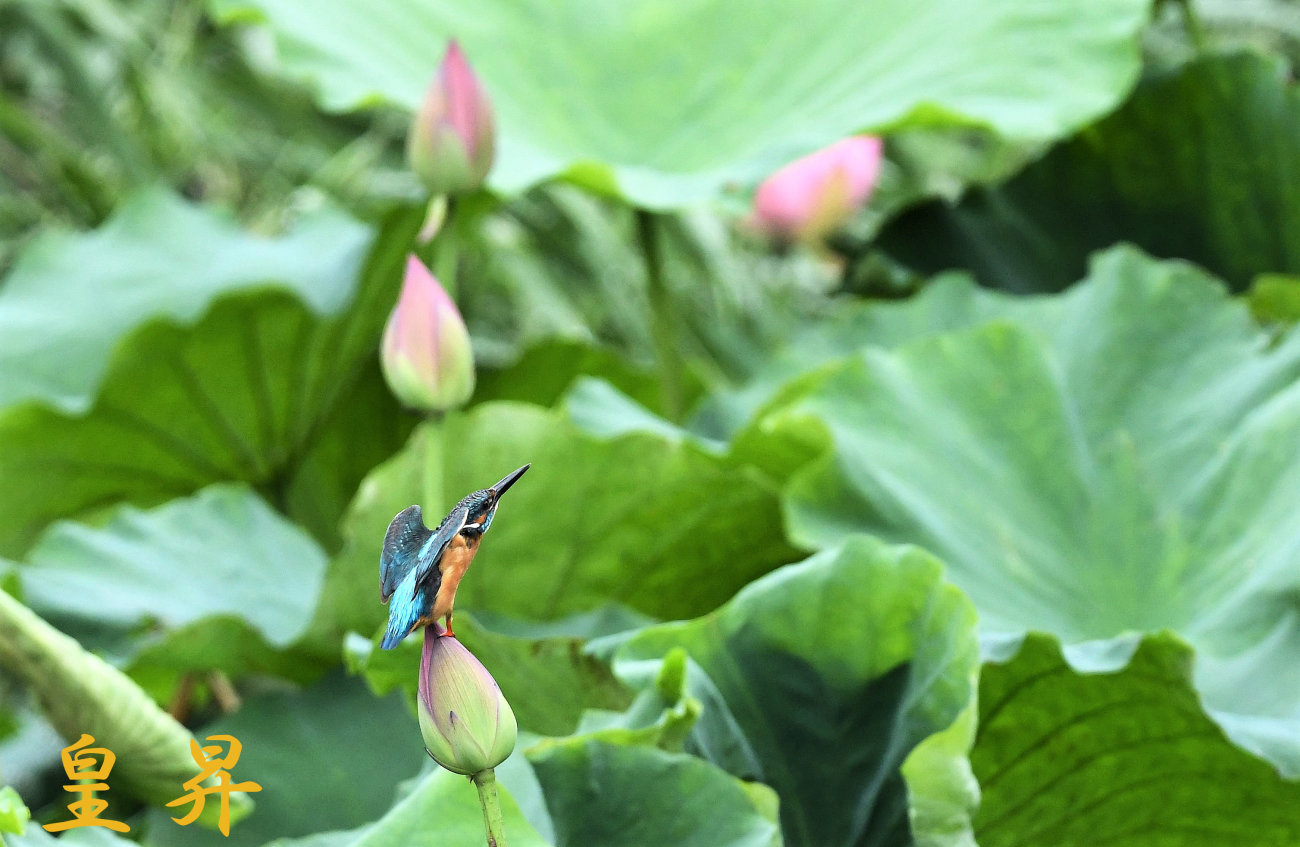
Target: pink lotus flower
x=812, y=197
x=452, y=139
x=426, y=355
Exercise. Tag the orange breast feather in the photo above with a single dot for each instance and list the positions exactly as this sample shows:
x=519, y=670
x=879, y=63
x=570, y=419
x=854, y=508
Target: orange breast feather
x=453, y=566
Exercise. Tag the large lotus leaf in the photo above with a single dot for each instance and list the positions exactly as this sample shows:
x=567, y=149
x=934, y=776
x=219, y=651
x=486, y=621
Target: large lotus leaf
x=948, y=302
x=327, y=757
x=365, y=426
x=171, y=350
x=829, y=673
x=71, y=297
x=1112, y=747
x=606, y=795
x=1194, y=166
x=596, y=794
x=1127, y=460
x=220, y=576
x=666, y=103
x=663, y=714
x=639, y=519
x=658, y=525
x=942, y=790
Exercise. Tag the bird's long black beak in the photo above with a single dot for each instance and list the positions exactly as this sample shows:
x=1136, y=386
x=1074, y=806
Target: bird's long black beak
x=507, y=481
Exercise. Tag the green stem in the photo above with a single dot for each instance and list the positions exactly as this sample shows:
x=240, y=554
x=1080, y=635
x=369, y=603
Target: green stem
x=1192, y=21
x=663, y=321
x=446, y=250
x=486, y=783
x=435, y=466
x=61, y=45
x=61, y=159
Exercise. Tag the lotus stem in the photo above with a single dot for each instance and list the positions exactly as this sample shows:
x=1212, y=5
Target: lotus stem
x=446, y=249
x=663, y=329
x=486, y=783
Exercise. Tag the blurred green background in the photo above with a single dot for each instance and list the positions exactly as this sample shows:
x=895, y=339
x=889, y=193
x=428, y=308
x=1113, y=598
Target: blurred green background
x=974, y=524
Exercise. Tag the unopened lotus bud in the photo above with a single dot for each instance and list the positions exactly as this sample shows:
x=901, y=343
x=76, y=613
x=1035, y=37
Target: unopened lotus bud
x=452, y=139
x=467, y=724
x=426, y=354
x=811, y=197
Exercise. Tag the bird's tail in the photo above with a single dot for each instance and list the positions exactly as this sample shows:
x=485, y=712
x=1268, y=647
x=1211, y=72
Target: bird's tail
x=394, y=634
x=403, y=612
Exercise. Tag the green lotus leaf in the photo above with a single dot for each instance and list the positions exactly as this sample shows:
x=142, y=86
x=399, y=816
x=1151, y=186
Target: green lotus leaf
x=602, y=795
x=170, y=350
x=72, y=297
x=595, y=794
x=218, y=581
x=948, y=302
x=652, y=523
x=820, y=678
x=1113, y=747
x=1118, y=458
x=662, y=527
x=667, y=103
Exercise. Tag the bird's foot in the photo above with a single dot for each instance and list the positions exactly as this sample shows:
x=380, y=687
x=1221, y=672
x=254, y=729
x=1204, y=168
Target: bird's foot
x=448, y=633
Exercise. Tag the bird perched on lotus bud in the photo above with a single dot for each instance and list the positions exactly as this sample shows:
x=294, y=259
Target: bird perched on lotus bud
x=811, y=197
x=420, y=568
x=425, y=354
x=453, y=138
x=467, y=724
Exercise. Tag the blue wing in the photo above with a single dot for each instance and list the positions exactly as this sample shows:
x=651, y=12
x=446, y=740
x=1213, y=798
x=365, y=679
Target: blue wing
x=426, y=564
x=408, y=568
x=402, y=543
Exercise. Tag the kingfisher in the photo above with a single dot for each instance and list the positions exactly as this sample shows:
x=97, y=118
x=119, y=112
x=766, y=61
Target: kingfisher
x=421, y=568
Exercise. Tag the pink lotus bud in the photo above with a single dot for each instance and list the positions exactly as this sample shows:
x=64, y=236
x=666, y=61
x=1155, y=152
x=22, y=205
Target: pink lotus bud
x=452, y=140
x=811, y=197
x=426, y=353
x=467, y=724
